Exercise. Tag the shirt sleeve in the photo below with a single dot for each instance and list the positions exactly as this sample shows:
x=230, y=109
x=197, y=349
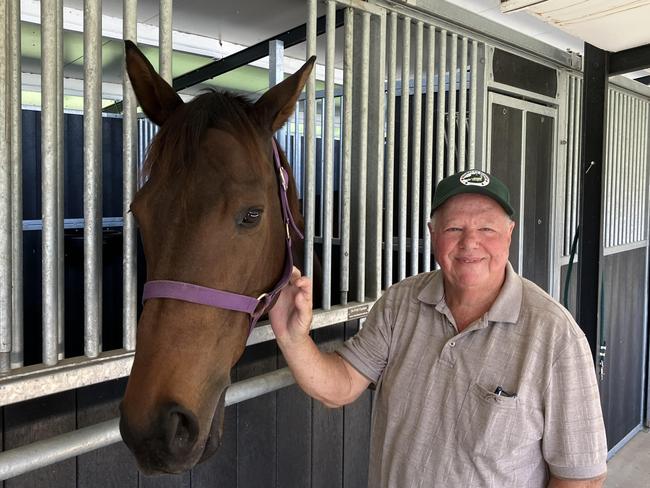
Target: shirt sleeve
x=368, y=350
x=574, y=444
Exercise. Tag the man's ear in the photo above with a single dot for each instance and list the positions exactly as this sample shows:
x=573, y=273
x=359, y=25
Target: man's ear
x=278, y=103
x=157, y=99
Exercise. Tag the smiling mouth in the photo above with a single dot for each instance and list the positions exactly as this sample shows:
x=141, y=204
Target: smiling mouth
x=469, y=260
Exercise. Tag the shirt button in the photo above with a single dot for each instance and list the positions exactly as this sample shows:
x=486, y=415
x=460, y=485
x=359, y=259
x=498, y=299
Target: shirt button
x=452, y=344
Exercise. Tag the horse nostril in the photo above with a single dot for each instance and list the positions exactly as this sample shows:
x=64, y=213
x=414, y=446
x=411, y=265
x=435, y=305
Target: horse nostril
x=182, y=430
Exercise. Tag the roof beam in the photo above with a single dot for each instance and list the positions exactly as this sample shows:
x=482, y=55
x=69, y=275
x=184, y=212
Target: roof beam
x=632, y=59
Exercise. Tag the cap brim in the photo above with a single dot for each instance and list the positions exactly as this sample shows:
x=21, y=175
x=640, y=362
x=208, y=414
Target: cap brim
x=481, y=190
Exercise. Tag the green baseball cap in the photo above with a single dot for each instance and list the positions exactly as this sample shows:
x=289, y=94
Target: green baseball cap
x=473, y=181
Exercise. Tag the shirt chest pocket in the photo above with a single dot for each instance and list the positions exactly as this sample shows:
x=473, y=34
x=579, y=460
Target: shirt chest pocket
x=486, y=422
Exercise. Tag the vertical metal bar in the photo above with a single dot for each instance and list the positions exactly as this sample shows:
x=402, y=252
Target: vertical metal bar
x=440, y=142
x=576, y=156
x=471, y=152
x=92, y=178
x=615, y=166
x=346, y=163
x=415, y=150
x=462, y=105
x=165, y=40
x=451, y=131
x=608, y=172
x=310, y=144
x=625, y=200
x=5, y=201
x=390, y=149
x=129, y=186
x=276, y=75
x=15, y=68
x=49, y=180
x=376, y=136
x=638, y=137
x=60, y=169
x=328, y=143
x=428, y=143
x=644, y=159
x=404, y=139
x=363, y=158
x=568, y=211
x=633, y=169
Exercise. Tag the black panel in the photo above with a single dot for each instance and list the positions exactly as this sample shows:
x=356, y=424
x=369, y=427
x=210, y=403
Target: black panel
x=537, y=187
x=505, y=160
x=623, y=283
x=523, y=73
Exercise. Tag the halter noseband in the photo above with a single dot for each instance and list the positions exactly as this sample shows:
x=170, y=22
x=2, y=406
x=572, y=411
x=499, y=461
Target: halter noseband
x=255, y=307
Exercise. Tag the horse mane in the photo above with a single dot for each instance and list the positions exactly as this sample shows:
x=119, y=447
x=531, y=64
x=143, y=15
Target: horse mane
x=173, y=150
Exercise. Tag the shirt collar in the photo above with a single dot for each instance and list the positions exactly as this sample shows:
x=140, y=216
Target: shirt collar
x=505, y=308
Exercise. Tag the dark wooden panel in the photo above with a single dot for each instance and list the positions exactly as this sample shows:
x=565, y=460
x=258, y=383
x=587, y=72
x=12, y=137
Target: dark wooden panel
x=621, y=391
x=505, y=160
x=95, y=404
x=327, y=426
x=31, y=147
x=356, y=433
x=165, y=481
x=35, y=420
x=256, y=429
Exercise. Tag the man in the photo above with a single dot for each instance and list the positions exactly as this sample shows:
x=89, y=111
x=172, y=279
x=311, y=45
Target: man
x=482, y=379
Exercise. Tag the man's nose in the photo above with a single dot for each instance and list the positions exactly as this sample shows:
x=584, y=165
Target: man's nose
x=469, y=239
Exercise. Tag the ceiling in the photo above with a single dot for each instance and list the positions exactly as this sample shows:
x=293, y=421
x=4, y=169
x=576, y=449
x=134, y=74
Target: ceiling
x=212, y=29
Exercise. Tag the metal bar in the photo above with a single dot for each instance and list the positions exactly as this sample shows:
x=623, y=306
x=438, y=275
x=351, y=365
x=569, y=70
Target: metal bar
x=569, y=171
x=129, y=186
x=576, y=156
x=49, y=180
x=92, y=178
x=618, y=165
x=363, y=157
x=60, y=176
x=328, y=143
x=390, y=150
x=462, y=106
x=165, y=40
x=644, y=202
x=608, y=172
x=15, y=138
x=346, y=163
x=415, y=150
x=595, y=97
x=404, y=148
x=440, y=142
x=65, y=446
x=276, y=75
x=310, y=144
x=451, y=120
x=471, y=153
x=634, y=159
x=428, y=143
x=625, y=172
x=5, y=202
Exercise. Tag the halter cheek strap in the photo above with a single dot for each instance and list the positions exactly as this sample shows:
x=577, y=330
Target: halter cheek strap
x=254, y=307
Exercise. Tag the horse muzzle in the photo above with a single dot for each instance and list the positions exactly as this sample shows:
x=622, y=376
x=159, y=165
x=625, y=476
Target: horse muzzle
x=172, y=443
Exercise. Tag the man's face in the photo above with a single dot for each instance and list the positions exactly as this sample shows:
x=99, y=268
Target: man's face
x=470, y=238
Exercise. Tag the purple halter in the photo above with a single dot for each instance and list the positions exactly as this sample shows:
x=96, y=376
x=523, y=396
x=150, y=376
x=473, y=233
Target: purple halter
x=255, y=307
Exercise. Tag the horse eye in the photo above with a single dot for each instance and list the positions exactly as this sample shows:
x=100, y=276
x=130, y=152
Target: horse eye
x=251, y=217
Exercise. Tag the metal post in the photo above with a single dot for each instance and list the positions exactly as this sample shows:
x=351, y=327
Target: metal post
x=462, y=105
x=451, y=120
x=415, y=150
x=390, y=150
x=568, y=228
x=440, y=142
x=165, y=40
x=49, y=180
x=346, y=164
x=129, y=186
x=310, y=144
x=404, y=148
x=92, y=178
x=428, y=142
x=60, y=177
x=471, y=152
x=276, y=75
x=5, y=202
x=328, y=143
x=595, y=97
x=16, y=184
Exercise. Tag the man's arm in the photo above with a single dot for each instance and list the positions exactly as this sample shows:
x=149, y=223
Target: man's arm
x=326, y=377
x=589, y=483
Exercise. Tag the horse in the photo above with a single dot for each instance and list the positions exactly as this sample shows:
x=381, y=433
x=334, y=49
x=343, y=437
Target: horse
x=217, y=216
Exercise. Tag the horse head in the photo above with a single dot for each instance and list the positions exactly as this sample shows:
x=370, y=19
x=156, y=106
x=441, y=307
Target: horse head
x=210, y=215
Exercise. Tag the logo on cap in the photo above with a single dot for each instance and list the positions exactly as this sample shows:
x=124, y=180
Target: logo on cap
x=475, y=178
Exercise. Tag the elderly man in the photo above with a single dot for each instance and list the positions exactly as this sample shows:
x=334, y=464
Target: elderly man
x=482, y=379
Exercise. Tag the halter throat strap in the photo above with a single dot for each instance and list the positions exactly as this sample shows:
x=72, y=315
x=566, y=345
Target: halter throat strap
x=254, y=307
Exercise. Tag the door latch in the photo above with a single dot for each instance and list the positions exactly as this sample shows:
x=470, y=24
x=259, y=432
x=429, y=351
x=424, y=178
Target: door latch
x=601, y=361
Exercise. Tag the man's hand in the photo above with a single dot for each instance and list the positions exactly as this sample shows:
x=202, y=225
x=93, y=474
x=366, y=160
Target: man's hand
x=589, y=483
x=292, y=314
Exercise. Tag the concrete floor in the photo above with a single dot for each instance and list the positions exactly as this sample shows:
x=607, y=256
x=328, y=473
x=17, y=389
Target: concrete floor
x=630, y=467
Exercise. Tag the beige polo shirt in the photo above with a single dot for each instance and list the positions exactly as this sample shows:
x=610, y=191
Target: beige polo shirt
x=436, y=419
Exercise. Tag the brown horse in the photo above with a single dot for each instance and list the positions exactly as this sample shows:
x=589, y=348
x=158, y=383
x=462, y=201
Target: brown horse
x=210, y=215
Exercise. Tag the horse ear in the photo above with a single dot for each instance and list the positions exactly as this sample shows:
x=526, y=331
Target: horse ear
x=157, y=99
x=277, y=104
